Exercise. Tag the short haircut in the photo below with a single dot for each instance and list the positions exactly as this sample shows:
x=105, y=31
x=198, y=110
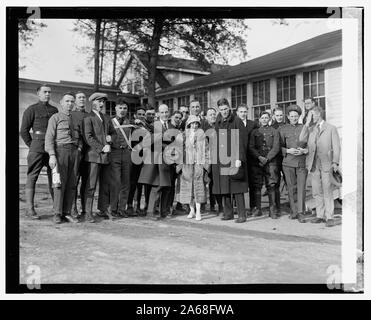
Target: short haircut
x=213, y=109
x=177, y=112
x=318, y=109
x=277, y=109
x=311, y=99
x=184, y=106
x=263, y=113
x=120, y=101
x=42, y=85
x=242, y=105
x=223, y=102
x=195, y=100
x=140, y=108
x=78, y=92
x=68, y=93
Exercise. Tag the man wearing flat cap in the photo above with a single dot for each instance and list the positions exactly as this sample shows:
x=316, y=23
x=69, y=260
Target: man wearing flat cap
x=322, y=160
x=293, y=164
x=97, y=131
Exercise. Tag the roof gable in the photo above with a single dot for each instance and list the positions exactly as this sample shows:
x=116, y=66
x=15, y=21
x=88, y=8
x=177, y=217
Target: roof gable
x=320, y=48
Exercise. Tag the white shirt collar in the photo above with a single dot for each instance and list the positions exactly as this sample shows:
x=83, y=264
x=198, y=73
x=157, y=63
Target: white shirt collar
x=97, y=113
x=320, y=124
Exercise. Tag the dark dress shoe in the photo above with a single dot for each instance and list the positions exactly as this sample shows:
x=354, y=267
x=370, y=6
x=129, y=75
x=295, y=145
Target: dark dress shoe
x=123, y=214
x=301, y=218
x=103, y=215
x=31, y=213
x=90, y=218
x=330, y=223
x=240, y=220
x=71, y=219
x=58, y=219
x=293, y=216
x=212, y=209
x=227, y=218
x=317, y=220
x=256, y=212
x=130, y=210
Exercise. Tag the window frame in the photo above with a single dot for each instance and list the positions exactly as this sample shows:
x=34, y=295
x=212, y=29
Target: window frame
x=238, y=95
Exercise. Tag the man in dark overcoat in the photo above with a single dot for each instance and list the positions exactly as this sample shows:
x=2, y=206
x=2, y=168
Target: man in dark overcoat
x=229, y=175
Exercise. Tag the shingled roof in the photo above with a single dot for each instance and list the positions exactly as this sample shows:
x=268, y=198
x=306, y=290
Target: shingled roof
x=318, y=49
x=168, y=61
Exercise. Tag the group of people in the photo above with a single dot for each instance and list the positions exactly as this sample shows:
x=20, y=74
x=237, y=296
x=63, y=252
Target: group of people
x=177, y=158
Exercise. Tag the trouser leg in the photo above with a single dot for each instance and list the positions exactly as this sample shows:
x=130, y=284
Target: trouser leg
x=153, y=197
x=91, y=183
x=240, y=201
x=328, y=194
x=277, y=193
x=165, y=202
x=290, y=174
x=34, y=165
x=49, y=175
x=125, y=178
x=227, y=206
x=301, y=184
x=76, y=172
x=70, y=189
x=104, y=187
x=318, y=193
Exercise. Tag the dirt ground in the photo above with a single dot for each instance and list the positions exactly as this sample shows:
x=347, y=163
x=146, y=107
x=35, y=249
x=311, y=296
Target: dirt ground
x=176, y=250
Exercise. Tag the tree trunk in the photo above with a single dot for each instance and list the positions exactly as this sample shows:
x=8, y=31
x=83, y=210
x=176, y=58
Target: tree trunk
x=115, y=56
x=102, y=54
x=155, y=44
x=96, y=54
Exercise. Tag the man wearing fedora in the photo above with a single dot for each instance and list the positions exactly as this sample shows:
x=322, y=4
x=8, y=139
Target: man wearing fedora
x=97, y=130
x=322, y=160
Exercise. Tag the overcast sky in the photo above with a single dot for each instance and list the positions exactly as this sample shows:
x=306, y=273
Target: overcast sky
x=54, y=56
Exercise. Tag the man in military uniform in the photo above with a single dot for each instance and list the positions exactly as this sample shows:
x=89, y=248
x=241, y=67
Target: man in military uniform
x=277, y=124
x=62, y=142
x=120, y=165
x=36, y=117
x=81, y=166
x=264, y=146
x=293, y=163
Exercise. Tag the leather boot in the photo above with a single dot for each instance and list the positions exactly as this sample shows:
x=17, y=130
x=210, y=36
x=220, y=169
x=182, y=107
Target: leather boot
x=30, y=210
x=272, y=203
x=257, y=211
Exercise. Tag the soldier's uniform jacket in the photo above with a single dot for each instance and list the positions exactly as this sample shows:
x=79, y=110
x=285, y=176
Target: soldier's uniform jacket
x=118, y=140
x=289, y=136
x=36, y=117
x=264, y=142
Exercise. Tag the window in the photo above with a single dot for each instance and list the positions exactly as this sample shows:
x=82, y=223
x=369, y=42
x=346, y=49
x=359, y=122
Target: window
x=314, y=86
x=183, y=101
x=202, y=98
x=110, y=108
x=239, y=95
x=170, y=104
x=261, y=97
x=286, y=91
